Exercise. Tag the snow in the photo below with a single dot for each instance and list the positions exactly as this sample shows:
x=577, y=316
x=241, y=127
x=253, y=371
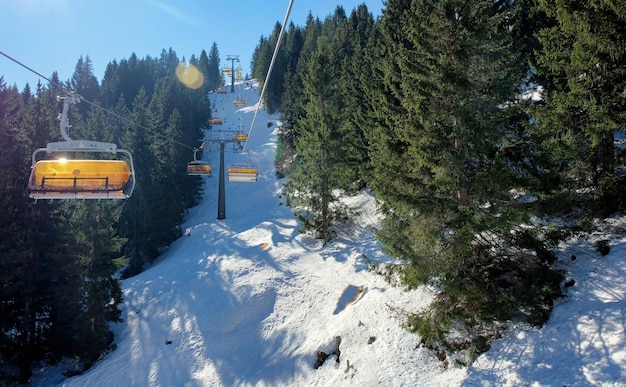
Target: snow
x=249, y=301
x=584, y=342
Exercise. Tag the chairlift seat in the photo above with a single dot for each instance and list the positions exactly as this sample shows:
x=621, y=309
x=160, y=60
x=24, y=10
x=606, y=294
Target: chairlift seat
x=198, y=168
x=215, y=121
x=80, y=179
x=239, y=102
x=242, y=173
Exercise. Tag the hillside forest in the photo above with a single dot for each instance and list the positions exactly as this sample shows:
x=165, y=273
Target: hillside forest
x=428, y=106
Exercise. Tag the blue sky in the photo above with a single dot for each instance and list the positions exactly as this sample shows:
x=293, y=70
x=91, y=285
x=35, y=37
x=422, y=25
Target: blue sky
x=49, y=35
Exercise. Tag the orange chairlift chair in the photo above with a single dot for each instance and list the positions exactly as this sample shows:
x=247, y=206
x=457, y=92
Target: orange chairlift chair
x=79, y=178
x=198, y=167
x=242, y=173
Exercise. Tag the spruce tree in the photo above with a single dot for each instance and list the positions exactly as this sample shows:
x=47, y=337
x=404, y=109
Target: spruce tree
x=580, y=64
x=327, y=141
x=20, y=297
x=444, y=155
x=84, y=82
x=214, y=73
x=81, y=324
x=275, y=88
x=261, y=58
x=294, y=98
x=136, y=212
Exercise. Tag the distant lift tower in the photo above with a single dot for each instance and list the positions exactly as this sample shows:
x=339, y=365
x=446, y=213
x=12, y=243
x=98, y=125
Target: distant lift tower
x=232, y=59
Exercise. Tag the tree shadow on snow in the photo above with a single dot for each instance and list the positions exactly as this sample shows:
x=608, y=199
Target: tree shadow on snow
x=578, y=344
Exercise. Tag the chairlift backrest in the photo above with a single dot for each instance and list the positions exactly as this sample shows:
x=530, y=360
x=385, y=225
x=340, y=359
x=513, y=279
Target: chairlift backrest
x=81, y=178
x=198, y=168
x=242, y=173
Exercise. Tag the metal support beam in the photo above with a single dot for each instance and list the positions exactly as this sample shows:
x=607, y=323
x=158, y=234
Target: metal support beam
x=221, y=197
x=217, y=136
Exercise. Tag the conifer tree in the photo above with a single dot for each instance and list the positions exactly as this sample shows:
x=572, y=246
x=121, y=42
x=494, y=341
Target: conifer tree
x=444, y=156
x=328, y=155
x=356, y=73
x=275, y=87
x=294, y=98
x=91, y=303
x=84, y=82
x=294, y=40
x=165, y=206
x=136, y=212
x=261, y=58
x=581, y=66
x=110, y=90
x=20, y=300
x=214, y=74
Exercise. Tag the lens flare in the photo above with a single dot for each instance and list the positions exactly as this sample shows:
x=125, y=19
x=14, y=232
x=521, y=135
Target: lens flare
x=189, y=75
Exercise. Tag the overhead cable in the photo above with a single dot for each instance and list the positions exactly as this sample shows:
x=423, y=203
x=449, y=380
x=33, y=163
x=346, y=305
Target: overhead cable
x=96, y=105
x=269, y=71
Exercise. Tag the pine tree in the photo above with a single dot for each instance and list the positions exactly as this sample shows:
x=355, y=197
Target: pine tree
x=214, y=73
x=84, y=82
x=82, y=324
x=136, y=212
x=261, y=58
x=581, y=65
x=327, y=141
x=19, y=296
x=445, y=155
x=294, y=99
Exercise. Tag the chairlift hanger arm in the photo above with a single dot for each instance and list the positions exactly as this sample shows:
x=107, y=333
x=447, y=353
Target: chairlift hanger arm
x=71, y=98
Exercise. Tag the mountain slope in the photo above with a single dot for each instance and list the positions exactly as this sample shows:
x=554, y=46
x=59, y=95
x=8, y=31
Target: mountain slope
x=248, y=300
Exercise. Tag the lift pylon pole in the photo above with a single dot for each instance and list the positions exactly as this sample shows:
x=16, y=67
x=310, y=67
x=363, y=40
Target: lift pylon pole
x=233, y=59
x=221, y=196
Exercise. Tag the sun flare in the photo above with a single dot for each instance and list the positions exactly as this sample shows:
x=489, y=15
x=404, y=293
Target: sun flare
x=189, y=75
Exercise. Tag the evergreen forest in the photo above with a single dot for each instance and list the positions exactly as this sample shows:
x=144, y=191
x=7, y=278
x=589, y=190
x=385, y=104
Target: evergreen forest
x=60, y=259
x=427, y=106
x=479, y=126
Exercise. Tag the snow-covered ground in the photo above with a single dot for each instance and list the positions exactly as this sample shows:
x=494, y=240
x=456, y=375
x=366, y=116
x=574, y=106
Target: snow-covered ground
x=249, y=301
x=584, y=341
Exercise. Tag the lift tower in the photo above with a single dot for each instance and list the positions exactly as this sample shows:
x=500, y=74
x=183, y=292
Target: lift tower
x=223, y=137
x=232, y=59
